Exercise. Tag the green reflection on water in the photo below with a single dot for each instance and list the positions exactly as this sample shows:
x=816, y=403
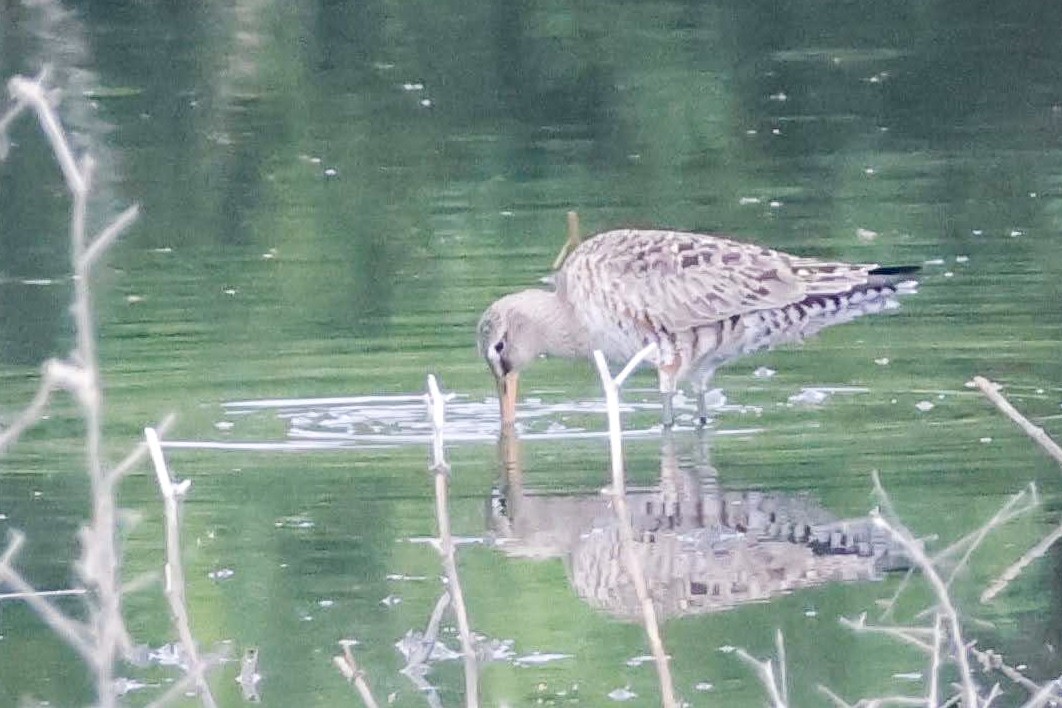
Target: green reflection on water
x=459, y=136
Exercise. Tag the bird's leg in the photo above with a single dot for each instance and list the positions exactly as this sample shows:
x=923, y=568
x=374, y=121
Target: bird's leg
x=700, y=387
x=667, y=393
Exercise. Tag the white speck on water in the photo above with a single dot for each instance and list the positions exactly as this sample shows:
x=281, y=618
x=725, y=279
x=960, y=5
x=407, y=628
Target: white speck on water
x=948, y=274
x=400, y=576
x=866, y=234
x=776, y=131
x=221, y=574
x=229, y=291
x=391, y=601
x=962, y=259
x=326, y=603
x=780, y=97
x=638, y=660
x=811, y=612
x=941, y=396
x=764, y=373
x=809, y=397
x=751, y=131
x=162, y=249
x=1015, y=233
x=909, y=676
x=537, y=658
x=978, y=232
x=413, y=86
x=883, y=361
x=727, y=649
x=749, y=200
x=924, y=406
x=37, y=494
x=331, y=172
x=134, y=299
x=1039, y=391
x=426, y=102
x=3, y=517
x=868, y=171
x=985, y=440
x=622, y=694
x=703, y=686
x=934, y=261
x=224, y=425
x=775, y=204
x=37, y=281
x=507, y=212
x=315, y=160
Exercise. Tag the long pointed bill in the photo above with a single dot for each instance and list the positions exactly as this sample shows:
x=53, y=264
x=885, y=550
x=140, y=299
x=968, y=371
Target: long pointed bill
x=507, y=386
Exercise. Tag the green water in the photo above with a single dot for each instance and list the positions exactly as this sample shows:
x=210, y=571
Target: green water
x=332, y=192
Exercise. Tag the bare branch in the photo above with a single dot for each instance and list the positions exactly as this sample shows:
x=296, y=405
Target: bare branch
x=174, y=568
x=1000, y=583
x=348, y=666
x=109, y=234
x=436, y=410
x=623, y=517
x=991, y=391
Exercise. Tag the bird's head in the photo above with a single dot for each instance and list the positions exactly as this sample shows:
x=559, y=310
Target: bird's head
x=509, y=337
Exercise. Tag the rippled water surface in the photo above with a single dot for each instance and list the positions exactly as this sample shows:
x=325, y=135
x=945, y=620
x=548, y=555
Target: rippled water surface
x=332, y=193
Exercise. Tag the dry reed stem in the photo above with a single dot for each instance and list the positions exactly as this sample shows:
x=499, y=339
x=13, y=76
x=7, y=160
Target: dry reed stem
x=348, y=666
x=999, y=584
x=1048, y=692
x=947, y=607
x=574, y=239
x=991, y=391
x=934, y=666
x=106, y=637
x=185, y=683
x=174, y=568
x=619, y=505
x=441, y=470
x=982, y=533
x=765, y=671
x=904, y=634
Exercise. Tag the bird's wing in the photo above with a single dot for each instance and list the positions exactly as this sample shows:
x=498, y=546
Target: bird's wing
x=679, y=280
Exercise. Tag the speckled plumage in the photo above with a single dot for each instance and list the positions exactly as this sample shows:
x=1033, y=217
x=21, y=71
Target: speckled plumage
x=705, y=300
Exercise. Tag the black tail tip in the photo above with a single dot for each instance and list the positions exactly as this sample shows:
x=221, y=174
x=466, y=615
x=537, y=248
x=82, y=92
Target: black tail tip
x=896, y=270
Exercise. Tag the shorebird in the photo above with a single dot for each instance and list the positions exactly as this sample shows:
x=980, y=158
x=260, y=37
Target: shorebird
x=704, y=300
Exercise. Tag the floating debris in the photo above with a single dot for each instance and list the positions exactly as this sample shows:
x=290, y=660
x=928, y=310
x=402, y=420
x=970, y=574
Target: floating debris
x=622, y=694
x=638, y=660
x=764, y=373
x=924, y=406
x=962, y=259
x=883, y=361
x=703, y=686
x=985, y=440
x=538, y=658
x=399, y=576
x=809, y=397
x=391, y=601
x=749, y=200
x=866, y=235
x=224, y=425
x=294, y=522
x=221, y=574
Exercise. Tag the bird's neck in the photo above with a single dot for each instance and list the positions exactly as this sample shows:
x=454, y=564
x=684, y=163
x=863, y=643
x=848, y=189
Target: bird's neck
x=560, y=333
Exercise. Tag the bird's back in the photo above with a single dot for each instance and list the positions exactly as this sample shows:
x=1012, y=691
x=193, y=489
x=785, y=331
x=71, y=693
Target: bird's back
x=632, y=286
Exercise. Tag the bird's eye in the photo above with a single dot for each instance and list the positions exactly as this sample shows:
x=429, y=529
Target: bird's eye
x=499, y=346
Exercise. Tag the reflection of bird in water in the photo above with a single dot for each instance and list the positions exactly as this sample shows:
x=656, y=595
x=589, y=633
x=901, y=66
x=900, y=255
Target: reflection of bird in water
x=703, y=300
x=702, y=547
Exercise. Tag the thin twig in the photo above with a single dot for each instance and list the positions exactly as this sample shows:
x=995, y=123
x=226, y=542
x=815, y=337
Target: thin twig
x=905, y=634
x=174, y=568
x=991, y=390
x=623, y=516
x=42, y=593
x=441, y=470
x=348, y=666
x=73, y=633
x=765, y=670
x=1000, y=583
x=934, y=667
x=34, y=412
x=914, y=550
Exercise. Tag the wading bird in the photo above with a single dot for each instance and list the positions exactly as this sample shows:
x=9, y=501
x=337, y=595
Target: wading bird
x=704, y=300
